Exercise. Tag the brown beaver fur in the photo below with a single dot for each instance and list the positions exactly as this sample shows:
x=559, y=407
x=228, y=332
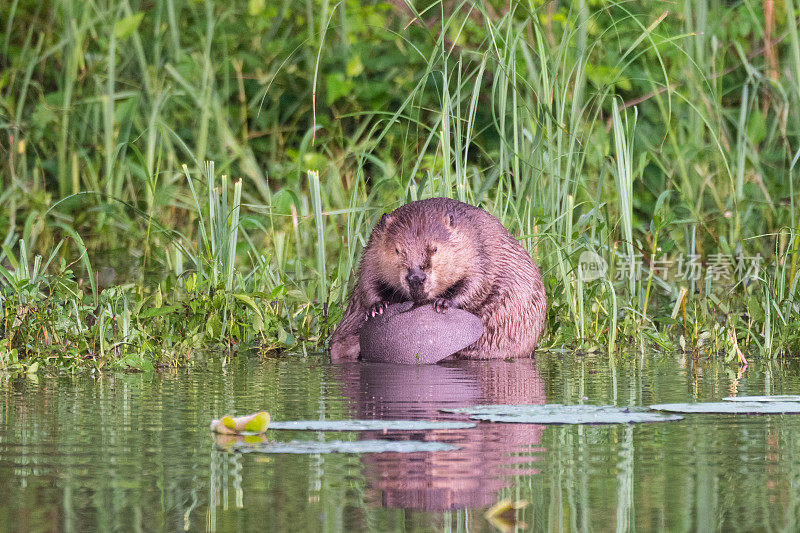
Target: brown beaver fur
x=454, y=255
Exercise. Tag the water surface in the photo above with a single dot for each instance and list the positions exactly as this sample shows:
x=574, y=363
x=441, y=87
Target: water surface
x=133, y=452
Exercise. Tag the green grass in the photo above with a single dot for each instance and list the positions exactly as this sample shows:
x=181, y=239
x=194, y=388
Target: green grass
x=611, y=127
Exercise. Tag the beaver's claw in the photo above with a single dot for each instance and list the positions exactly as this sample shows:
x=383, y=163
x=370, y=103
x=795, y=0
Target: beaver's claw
x=376, y=309
x=442, y=304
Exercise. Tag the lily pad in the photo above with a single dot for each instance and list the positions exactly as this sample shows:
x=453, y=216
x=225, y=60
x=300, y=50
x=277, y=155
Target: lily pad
x=563, y=414
x=776, y=398
x=731, y=407
x=338, y=446
x=369, y=425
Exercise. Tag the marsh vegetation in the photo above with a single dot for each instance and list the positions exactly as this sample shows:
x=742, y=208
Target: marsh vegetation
x=654, y=142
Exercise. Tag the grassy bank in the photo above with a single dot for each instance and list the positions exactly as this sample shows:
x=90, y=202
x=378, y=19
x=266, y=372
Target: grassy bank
x=653, y=143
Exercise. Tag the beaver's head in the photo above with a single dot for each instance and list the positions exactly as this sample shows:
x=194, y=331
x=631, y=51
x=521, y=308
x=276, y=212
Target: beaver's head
x=422, y=254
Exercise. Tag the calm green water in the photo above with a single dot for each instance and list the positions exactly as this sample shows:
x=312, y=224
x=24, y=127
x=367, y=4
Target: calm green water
x=132, y=452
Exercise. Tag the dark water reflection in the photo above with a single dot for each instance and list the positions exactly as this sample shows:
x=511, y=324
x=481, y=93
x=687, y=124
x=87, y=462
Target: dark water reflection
x=465, y=478
x=133, y=452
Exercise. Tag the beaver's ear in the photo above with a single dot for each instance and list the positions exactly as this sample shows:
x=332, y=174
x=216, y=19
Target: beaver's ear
x=450, y=219
x=385, y=220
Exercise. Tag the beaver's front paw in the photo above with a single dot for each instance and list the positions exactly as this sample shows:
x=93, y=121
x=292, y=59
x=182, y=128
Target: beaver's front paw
x=376, y=309
x=443, y=304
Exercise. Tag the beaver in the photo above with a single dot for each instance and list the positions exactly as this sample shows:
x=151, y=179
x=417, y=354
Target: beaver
x=450, y=254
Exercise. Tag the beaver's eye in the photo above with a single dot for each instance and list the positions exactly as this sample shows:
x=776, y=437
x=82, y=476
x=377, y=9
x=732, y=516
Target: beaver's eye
x=397, y=251
x=434, y=249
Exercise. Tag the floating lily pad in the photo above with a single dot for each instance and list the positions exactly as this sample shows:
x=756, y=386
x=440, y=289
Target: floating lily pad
x=338, y=446
x=735, y=407
x=368, y=425
x=776, y=398
x=563, y=414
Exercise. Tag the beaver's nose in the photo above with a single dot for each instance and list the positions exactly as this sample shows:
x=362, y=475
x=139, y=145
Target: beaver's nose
x=415, y=277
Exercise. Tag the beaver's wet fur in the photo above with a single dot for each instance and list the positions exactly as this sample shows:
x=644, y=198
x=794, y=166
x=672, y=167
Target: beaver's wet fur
x=453, y=255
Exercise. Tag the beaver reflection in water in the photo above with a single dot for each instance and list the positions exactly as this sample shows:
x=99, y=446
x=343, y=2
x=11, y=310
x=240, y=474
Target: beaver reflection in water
x=453, y=255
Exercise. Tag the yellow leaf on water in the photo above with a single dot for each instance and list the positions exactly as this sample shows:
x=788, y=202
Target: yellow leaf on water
x=499, y=508
x=258, y=423
x=254, y=423
x=502, y=514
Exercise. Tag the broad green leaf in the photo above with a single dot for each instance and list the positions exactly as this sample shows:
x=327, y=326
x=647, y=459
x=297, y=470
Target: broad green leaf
x=256, y=7
x=756, y=127
x=124, y=27
x=336, y=86
x=355, y=66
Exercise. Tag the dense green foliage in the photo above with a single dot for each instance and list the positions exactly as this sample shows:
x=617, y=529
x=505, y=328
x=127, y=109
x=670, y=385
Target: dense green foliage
x=615, y=128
